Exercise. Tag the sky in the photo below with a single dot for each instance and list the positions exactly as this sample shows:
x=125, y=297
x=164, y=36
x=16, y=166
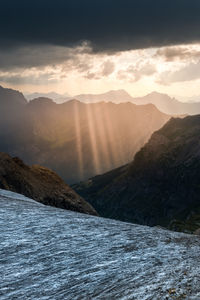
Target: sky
x=92, y=46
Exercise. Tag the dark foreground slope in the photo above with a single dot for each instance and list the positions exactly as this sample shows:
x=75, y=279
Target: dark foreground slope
x=40, y=184
x=48, y=253
x=162, y=184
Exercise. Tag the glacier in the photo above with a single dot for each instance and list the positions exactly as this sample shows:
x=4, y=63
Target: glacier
x=50, y=253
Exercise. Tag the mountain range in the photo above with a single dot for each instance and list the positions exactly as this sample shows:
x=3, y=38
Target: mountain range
x=75, y=139
x=163, y=102
x=58, y=98
x=169, y=105
x=80, y=140
x=115, y=96
x=160, y=186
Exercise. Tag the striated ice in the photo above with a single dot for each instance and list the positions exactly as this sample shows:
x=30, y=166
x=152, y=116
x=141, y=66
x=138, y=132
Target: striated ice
x=49, y=253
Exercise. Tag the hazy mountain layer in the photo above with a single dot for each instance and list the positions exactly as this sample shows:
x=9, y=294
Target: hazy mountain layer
x=39, y=183
x=58, y=98
x=161, y=186
x=168, y=105
x=163, y=102
x=118, y=96
x=74, y=139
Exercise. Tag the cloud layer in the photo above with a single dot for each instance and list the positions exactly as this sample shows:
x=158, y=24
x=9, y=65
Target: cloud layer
x=106, y=24
x=187, y=73
x=100, y=44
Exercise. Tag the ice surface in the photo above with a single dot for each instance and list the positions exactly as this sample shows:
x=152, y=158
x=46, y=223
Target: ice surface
x=49, y=253
x=15, y=196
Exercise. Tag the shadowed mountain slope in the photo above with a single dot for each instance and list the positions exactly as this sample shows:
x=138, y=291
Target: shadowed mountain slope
x=161, y=186
x=11, y=97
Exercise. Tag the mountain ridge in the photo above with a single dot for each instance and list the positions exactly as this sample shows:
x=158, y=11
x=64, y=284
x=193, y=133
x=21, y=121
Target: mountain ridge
x=11, y=97
x=160, y=186
x=163, y=102
x=116, y=96
x=75, y=139
x=58, y=98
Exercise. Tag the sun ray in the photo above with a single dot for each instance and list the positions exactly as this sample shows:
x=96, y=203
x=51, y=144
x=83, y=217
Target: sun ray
x=93, y=140
x=78, y=137
x=110, y=137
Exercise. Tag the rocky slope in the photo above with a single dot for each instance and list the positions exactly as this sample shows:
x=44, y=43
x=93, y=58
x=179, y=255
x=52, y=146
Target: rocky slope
x=74, y=139
x=40, y=184
x=161, y=186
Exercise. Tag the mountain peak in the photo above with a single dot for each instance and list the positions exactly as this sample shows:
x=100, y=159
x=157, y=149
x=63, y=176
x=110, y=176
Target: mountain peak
x=12, y=97
x=119, y=92
x=115, y=96
x=156, y=94
x=58, y=98
x=72, y=102
x=41, y=101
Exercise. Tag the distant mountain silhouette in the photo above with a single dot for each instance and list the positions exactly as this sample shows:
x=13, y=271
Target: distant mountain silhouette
x=40, y=184
x=77, y=140
x=115, y=96
x=58, y=98
x=163, y=102
x=161, y=185
x=168, y=105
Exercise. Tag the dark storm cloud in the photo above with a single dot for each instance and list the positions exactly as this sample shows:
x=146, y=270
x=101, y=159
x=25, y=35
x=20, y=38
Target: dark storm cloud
x=110, y=25
x=40, y=55
x=27, y=79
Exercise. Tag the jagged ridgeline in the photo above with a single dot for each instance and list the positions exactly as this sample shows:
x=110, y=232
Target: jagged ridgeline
x=75, y=139
x=161, y=186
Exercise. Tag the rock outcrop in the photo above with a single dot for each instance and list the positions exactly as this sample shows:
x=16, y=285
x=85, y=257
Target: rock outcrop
x=40, y=184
